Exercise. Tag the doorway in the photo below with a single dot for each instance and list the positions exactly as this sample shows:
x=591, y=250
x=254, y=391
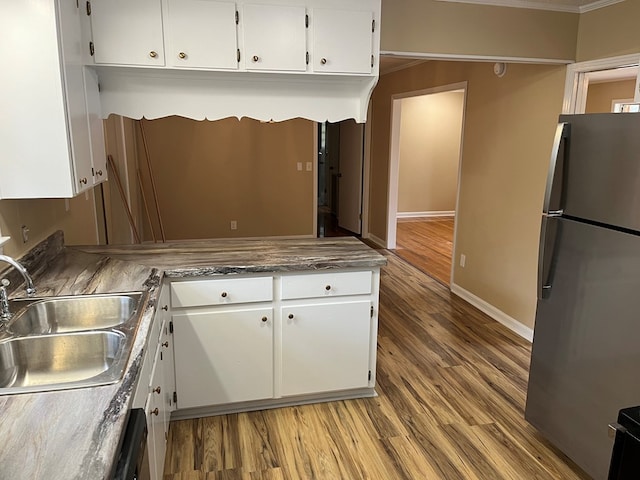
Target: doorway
x=340, y=178
x=426, y=150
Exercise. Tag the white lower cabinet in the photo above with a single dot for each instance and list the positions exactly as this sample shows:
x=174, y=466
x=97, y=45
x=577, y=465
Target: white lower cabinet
x=325, y=347
x=223, y=356
x=156, y=385
x=264, y=340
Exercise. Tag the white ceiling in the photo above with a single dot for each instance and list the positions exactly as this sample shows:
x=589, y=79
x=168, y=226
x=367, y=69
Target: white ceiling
x=574, y=6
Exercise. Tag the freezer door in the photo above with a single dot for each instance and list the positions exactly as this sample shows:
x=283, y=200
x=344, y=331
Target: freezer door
x=598, y=169
x=586, y=349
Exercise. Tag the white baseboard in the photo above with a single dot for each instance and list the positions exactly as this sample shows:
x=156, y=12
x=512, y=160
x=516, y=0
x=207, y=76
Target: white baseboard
x=450, y=213
x=498, y=315
x=378, y=241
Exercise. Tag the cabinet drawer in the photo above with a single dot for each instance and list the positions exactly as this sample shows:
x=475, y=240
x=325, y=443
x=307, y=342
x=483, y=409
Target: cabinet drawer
x=326, y=285
x=223, y=291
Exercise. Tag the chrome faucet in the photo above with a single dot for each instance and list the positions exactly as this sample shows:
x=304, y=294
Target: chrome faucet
x=5, y=313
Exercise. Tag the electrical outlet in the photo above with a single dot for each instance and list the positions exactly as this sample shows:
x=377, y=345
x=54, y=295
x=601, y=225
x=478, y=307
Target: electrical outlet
x=299, y=166
x=25, y=234
x=463, y=260
x=234, y=225
x=309, y=166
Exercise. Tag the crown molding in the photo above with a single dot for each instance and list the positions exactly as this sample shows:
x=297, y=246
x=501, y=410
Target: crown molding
x=541, y=5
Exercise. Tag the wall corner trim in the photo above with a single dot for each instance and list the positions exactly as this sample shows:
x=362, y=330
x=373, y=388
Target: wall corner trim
x=377, y=240
x=498, y=315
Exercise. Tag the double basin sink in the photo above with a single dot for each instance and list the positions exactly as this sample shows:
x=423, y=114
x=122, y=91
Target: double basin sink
x=58, y=343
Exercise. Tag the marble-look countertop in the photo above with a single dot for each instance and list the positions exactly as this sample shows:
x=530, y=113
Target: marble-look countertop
x=216, y=257
x=75, y=434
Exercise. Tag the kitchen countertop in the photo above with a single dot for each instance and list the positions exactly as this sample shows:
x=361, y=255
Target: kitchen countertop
x=75, y=434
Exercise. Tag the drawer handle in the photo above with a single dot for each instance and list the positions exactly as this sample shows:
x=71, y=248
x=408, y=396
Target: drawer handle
x=165, y=344
x=153, y=54
x=182, y=55
x=327, y=288
x=323, y=61
x=223, y=294
x=265, y=319
x=165, y=308
x=255, y=58
x=291, y=316
x=157, y=390
x=155, y=412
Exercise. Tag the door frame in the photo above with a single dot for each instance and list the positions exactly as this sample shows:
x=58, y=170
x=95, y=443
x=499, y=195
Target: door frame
x=577, y=81
x=394, y=158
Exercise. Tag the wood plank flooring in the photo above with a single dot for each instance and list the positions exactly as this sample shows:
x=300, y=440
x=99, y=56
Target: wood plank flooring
x=427, y=244
x=451, y=384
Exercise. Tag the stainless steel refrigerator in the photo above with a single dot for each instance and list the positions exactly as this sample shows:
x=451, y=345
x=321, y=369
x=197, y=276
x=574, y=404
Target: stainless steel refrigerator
x=585, y=363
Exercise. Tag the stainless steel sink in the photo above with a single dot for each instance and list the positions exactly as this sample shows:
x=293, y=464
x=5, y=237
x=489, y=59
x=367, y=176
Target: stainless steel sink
x=58, y=343
x=73, y=313
x=57, y=362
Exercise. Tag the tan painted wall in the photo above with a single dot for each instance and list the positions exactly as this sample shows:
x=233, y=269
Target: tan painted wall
x=430, y=127
x=610, y=31
x=429, y=26
x=45, y=216
x=509, y=126
x=600, y=95
x=210, y=173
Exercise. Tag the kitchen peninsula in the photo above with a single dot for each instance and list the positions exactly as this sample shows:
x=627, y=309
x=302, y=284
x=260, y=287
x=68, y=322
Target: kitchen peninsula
x=76, y=433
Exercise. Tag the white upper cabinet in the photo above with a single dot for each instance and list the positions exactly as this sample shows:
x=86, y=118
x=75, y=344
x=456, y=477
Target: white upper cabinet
x=200, y=34
x=127, y=32
x=274, y=37
x=342, y=41
x=50, y=108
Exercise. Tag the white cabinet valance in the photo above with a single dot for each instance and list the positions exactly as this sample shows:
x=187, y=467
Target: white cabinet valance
x=206, y=59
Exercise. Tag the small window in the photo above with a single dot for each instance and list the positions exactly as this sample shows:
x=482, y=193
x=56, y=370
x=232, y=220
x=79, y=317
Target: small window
x=625, y=106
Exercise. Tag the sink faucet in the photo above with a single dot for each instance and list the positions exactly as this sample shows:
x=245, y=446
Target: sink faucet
x=5, y=313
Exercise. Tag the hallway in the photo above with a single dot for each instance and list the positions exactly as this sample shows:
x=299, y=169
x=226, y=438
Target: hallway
x=427, y=244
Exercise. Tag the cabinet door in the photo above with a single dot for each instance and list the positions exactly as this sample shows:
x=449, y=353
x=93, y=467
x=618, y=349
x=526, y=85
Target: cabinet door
x=127, y=32
x=201, y=34
x=342, y=41
x=274, y=37
x=156, y=415
x=325, y=347
x=223, y=356
x=96, y=129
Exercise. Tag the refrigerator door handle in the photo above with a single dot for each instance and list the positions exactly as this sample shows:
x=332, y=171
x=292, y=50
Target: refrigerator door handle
x=562, y=133
x=548, y=237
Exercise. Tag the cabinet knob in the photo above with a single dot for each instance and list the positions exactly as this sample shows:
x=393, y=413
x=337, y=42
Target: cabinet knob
x=327, y=288
x=99, y=173
x=291, y=316
x=255, y=58
x=165, y=344
x=323, y=61
x=182, y=55
x=223, y=294
x=83, y=181
x=264, y=319
x=165, y=308
x=153, y=54
x=157, y=390
x=155, y=411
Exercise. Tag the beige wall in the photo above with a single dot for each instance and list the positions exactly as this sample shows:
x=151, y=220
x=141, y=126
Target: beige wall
x=600, y=95
x=610, y=31
x=430, y=136
x=430, y=26
x=45, y=216
x=509, y=126
x=210, y=173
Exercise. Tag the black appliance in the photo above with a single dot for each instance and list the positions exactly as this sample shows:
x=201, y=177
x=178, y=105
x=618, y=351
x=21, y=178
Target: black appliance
x=625, y=458
x=133, y=461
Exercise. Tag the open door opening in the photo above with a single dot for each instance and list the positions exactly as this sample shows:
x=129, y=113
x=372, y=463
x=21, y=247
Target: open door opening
x=340, y=178
x=426, y=151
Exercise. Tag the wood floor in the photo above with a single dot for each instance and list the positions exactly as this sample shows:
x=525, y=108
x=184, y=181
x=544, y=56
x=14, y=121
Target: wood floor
x=451, y=385
x=428, y=245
